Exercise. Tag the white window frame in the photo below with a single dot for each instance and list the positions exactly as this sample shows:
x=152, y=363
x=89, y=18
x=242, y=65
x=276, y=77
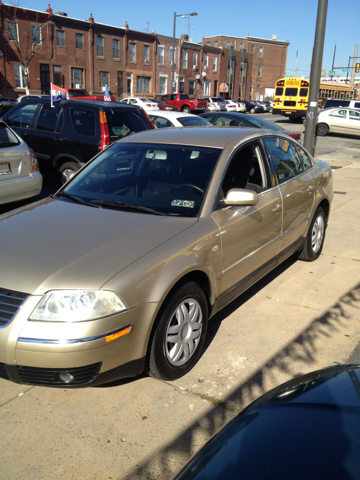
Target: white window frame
x=163, y=77
x=17, y=31
x=161, y=57
x=21, y=75
x=214, y=64
x=195, y=61
x=185, y=60
x=206, y=88
x=206, y=62
x=36, y=27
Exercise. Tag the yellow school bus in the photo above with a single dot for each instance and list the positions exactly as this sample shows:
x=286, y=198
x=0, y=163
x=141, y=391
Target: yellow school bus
x=291, y=97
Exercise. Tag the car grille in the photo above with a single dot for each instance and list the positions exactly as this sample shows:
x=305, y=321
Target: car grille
x=10, y=302
x=50, y=376
x=288, y=103
x=3, y=373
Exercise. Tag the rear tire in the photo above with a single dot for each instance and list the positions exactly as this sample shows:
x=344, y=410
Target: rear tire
x=322, y=130
x=179, y=334
x=252, y=110
x=315, y=237
x=69, y=167
x=186, y=109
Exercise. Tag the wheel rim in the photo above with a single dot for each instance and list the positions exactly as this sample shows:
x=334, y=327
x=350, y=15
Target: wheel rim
x=183, y=332
x=318, y=232
x=67, y=171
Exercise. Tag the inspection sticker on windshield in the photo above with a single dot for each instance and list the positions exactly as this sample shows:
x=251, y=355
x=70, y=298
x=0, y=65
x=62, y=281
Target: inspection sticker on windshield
x=183, y=203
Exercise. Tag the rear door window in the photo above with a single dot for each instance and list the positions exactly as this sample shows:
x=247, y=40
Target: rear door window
x=124, y=122
x=83, y=121
x=286, y=161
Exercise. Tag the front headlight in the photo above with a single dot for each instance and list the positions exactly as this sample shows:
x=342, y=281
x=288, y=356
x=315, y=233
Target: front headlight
x=77, y=305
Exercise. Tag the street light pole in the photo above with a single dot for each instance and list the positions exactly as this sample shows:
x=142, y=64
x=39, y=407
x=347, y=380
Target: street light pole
x=173, y=49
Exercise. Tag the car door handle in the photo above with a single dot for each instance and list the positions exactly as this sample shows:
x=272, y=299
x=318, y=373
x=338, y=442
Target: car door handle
x=310, y=188
x=277, y=207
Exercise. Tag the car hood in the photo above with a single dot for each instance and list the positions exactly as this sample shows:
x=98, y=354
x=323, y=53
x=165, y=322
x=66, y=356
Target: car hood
x=56, y=244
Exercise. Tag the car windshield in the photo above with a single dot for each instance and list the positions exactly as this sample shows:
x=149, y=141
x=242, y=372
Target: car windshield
x=169, y=179
x=193, y=121
x=7, y=138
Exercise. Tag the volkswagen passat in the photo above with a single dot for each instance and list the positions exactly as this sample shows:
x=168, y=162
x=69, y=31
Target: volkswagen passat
x=120, y=270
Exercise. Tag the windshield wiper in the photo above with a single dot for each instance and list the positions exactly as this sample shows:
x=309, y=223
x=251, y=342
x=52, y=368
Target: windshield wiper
x=76, y=199
x=125, y=205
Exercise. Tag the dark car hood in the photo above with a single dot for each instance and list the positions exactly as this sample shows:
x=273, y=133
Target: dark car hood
x=59, y=244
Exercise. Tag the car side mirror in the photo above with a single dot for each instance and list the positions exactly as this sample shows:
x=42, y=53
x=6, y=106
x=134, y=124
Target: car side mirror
x=239, y=196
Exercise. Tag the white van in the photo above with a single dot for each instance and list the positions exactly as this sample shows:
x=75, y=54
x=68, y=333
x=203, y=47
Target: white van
x=340, y=102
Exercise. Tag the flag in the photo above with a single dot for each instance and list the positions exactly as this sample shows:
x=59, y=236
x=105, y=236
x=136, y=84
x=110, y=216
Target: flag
x=107, y=97
x=57, y=93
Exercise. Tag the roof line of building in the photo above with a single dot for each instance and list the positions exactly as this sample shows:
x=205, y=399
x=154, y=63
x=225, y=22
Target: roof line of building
x=247, y=37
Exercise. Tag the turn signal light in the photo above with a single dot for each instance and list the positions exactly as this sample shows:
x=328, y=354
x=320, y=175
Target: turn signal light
x=119, y=334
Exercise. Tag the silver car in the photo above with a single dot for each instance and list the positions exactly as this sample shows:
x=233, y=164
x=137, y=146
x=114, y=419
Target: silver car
x=19, y=170
x=132, y=257
x=338, y=120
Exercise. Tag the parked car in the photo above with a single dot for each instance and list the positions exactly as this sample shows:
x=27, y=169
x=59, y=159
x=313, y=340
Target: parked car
x=27, y=97
x=239, y=106
x=215, y=104
x=341, y=103
x=177, y=119
x=184, y=103
x=19, y=170
x=142, y=102
x=80, y=93
x=259, y=108
x=6, y=104
x=250, y=106
x=228, y=119
x=266, y=105
x=164, y=106
x=338, y=120
x=230, y=107
x=305, y=428
x=163, y=229
x=73, y=131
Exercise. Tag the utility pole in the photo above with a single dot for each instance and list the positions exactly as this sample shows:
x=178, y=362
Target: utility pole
x=316, y=63
x=352, y=78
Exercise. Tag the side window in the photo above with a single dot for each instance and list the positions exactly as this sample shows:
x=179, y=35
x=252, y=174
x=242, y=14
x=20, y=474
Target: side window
x=354, y=115
x=285, y=158
x=304, y=157
x=338, y=113
x=48, y=119
x=165, y=98
x=161, y=122
x=83, y=121
x=246, y=170
x=22, y=117
x=172, y=97
x=133, y=101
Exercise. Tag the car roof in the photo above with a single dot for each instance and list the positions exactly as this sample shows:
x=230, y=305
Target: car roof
x=170, y=114
x=98, y=103
x=198, y=136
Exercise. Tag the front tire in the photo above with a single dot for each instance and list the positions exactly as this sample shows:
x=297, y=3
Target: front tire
x=315, y=237
x=322, y=130
x=179, y=334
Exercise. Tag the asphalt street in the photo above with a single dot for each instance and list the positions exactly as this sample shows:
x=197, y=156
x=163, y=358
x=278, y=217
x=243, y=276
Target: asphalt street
x=299, y=318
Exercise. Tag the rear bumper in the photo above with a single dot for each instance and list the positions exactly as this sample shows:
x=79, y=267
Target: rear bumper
x=15, y=189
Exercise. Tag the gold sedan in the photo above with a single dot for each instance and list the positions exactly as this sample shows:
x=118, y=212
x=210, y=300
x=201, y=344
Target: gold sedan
x=120, y=270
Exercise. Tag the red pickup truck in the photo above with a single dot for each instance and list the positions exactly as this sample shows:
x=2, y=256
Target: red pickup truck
x=82, y=94
x=184, y=102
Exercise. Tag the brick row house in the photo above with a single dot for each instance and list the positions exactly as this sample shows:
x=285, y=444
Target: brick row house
x=85, y=54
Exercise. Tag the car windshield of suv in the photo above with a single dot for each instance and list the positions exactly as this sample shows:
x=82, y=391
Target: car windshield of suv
x=7, y=138
x=167, y=179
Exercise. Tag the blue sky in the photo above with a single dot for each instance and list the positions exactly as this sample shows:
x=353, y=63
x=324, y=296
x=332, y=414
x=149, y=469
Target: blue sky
x=290, y=20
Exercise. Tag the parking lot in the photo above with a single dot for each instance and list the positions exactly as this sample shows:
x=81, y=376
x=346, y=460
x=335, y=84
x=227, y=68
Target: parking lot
x=299, y=318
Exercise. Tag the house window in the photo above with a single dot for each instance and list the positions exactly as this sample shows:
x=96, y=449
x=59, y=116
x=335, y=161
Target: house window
x=80, y=41
x=208, y=44
x=76, y=77
x=36, y=34
x=19, y=76
x=192, y=87
x=259, y=71
x=195, y=61
x=252, y=48
x=13, y=31
x=116, y=52
x=214, y=64
x=143, y=84
x=261, y=51
x=185, y=60
x=60, y=38
x=206, y=62
x=57, y=75
x=132, y=52
x=227, y=44
x=104, y=79
x=215, y=44
x=241, y=47
x=129, y=83
x=172, y=56
x=182, y=84
x=206, y=90
x=146, y=53
x=163, y=84
x=99, y=46
x=161, y=55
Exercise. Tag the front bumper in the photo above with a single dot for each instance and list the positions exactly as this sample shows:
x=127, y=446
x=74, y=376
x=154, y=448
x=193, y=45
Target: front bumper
x=36, y=353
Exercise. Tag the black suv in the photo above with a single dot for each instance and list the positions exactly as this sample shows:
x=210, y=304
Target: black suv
x=71, y=132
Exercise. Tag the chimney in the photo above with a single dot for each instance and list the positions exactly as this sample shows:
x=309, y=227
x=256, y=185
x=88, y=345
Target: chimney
x=274, y=37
